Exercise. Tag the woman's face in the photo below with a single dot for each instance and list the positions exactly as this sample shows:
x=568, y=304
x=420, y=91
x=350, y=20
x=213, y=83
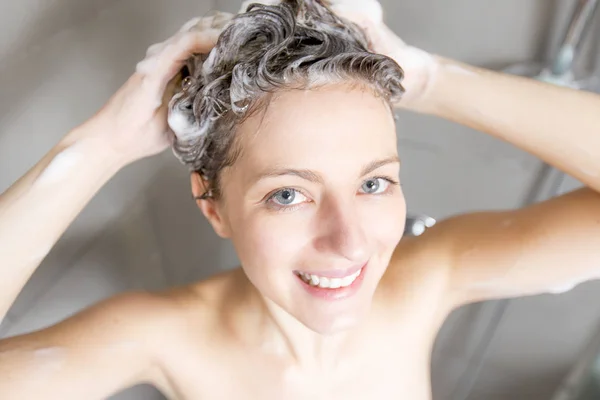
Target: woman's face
x=313, y=205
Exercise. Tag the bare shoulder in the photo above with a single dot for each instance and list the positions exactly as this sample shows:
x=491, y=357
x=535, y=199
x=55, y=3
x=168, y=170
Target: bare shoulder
x=420, y=270
x=547, y=247
x=132, y=338
x=95, y=353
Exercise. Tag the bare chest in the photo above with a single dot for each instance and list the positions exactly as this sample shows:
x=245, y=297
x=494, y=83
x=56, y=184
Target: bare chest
x=388, y=372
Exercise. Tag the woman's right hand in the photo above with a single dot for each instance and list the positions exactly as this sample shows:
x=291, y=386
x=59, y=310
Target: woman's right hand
x=133, y=123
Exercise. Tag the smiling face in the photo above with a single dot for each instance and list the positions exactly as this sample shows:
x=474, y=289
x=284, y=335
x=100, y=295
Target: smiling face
x=312, y=203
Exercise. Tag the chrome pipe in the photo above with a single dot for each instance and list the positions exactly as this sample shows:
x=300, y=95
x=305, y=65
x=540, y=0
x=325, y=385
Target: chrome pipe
x=579, y=25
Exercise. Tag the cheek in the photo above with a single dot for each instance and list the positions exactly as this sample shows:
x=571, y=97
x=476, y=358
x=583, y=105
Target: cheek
x=384, y=223
x=281, y=240
x=271, y=243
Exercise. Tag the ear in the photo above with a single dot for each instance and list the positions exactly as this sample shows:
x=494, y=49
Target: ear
x=208, y=205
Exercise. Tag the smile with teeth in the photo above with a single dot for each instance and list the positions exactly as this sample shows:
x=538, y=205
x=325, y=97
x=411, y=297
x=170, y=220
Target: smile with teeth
x=328, y=283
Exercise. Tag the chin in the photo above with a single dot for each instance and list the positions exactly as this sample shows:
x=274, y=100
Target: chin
x=328, y=316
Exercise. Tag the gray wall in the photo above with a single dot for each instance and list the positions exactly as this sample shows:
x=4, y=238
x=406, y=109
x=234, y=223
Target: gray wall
x=60, y=60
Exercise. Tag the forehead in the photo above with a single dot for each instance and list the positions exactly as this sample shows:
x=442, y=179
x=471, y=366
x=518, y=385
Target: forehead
x=329, y=124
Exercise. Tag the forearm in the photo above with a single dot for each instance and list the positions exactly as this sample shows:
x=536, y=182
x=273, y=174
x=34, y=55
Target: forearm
x=39, y=207
x=559, y=125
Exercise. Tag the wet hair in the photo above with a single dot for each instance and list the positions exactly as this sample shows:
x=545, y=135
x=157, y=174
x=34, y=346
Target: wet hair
x=297, y=44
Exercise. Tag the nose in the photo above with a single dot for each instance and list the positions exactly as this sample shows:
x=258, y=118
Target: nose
x=341, y=232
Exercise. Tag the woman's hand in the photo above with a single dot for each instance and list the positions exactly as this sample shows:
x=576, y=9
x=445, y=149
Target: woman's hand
x=133, y=123
x=419, y=66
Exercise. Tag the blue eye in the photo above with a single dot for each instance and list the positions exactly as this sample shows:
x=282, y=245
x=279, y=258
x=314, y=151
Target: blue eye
x=287, y=197
x=375, y=186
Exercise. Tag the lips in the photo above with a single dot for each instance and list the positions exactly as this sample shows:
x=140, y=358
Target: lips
x=335, y=273
x=333, y=284
x=329, y=283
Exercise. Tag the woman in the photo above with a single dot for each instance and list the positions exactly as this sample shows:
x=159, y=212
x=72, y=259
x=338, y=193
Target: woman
x=288, y=130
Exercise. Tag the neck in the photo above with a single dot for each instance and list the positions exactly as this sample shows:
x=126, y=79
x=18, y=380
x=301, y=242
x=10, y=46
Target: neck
x=306, y=347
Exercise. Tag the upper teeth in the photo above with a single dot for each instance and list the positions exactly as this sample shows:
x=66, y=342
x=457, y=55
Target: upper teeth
x=329, y=283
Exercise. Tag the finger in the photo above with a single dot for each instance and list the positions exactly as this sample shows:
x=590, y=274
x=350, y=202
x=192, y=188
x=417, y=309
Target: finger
x=155, y=49
x=163, y=66
x=217, y=21
x=158, y=47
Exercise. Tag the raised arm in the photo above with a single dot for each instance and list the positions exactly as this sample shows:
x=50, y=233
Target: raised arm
x=37, y=209
x=107, y=348
x=112, y=345
x=547, y=247
x=559, y=125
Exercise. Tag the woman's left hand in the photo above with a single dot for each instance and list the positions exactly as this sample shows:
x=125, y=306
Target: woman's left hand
x=419, y=66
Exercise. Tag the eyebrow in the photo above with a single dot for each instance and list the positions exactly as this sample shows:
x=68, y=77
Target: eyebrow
x=372, y=166
x=313, y=176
